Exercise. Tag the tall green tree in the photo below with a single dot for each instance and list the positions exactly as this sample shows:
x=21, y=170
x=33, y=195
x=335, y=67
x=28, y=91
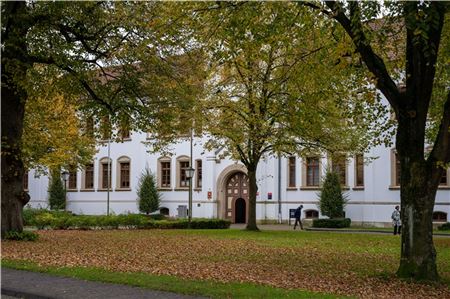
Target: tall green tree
x=266, y=93
x=407, y=55
x=114, y=59
x=148, y=195
x=56, y=191
x=331, y=199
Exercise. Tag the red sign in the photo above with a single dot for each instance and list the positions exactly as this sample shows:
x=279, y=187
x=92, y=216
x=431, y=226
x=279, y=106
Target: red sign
x=269, y=195
x=209, y=194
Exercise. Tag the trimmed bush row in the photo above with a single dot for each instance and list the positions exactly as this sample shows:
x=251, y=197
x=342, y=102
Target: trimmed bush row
x=332, y=223
x=445, y=226
x=63, y=220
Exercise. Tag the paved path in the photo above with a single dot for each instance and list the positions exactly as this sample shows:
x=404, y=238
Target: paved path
x=24, y=284
x=285, y=227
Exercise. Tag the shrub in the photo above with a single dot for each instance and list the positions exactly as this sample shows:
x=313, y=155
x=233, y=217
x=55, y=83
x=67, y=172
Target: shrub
x=56, y=192
x=157, y=217
x=43, y=220
x=21, y=236
x=111, y=222
x=331, y=198
x=148, y=195
x=332, y=223
x=132, y=220
x=445, y=226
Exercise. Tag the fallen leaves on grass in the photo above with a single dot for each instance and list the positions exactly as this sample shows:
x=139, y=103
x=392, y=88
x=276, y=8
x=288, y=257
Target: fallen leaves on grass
x=198, y=256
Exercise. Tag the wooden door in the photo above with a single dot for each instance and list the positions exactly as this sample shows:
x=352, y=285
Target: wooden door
x=237, y=187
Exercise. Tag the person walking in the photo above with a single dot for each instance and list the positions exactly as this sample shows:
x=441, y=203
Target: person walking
x=396, y=221
x=298, y=215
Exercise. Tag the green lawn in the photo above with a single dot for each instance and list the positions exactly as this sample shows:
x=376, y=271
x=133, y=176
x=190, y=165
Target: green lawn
x=231, y=263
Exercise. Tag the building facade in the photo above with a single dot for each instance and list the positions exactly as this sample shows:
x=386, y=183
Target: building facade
x=220, y=185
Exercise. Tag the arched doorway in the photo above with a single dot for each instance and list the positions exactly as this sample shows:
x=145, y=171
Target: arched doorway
x=239, y=211
x=236, y=197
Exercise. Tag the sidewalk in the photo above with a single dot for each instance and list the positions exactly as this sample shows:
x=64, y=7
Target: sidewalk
x=24, y=284
x=286, y=227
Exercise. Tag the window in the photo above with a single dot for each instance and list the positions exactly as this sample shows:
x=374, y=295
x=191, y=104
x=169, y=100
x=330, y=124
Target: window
x=105, y=128
x=439, y=216
x=25, y=180
x=124, y=133
x=184, y=181
x=123, y=173
x=311, y=214
x=89, y=127
x=105, y=173
x=359, y=170
x=339, y=165
x=89, y=176
x=291, y=172
x=312, y=171
x=72, y=178
x=164, y=211
x=444, y=178
x=164, y=172
x=199, y=174
x=397, y=170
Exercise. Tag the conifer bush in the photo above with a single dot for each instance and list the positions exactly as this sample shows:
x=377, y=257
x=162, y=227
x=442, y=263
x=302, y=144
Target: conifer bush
x=331, y=198
x=148, y=195
x=56, y=192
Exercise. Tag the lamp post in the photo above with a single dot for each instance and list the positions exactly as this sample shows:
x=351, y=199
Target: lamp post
x=189, y=174
x=65, y=176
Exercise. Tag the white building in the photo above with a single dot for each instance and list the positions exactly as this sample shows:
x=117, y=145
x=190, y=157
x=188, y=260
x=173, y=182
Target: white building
x=220, y=189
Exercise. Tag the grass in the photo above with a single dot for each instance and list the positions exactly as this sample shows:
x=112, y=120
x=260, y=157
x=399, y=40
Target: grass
x=170, y=283
x=232, y=263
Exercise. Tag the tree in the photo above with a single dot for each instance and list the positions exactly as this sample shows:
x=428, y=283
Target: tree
x=264, y=92
x=56, y=191
x=53, y=134
x=148, y=195
x=331, y=199
x=407, y=77
x=103, y=55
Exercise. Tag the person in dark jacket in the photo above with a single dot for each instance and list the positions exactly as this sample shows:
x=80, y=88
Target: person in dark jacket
x=298, y=215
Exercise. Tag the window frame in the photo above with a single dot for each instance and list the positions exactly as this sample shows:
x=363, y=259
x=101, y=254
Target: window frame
x=84, y=178
x=119, y=177
x=101, y=174
x=305, y=166
x=339, y=160
x=198, y=174
x=292, y=172
x=161, y=176
x=359, y=170
x=183, y=163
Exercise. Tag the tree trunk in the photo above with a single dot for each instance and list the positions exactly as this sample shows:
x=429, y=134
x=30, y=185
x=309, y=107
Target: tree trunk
x=14, y=65
x=251, y=221
x=418, y=183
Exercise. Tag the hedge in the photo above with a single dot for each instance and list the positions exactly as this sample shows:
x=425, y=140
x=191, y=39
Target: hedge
x=64, y=220
x=445, y=226
x=332, y=223
x=21, y=236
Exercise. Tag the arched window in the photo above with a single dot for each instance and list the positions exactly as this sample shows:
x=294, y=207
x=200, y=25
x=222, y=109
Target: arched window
x=182, y=166
x=87, y=177
x=164, y=172
x=439, y=216
x=105, y=174
x=123, y=173
x=164, y=211
x=311, y=214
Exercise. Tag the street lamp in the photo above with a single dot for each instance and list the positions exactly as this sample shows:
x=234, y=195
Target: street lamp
x=189, y=175
x=65, y=176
